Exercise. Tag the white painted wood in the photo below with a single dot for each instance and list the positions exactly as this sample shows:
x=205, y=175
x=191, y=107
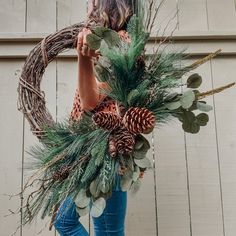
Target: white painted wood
x=203, y=169
x=223, y=71
x=41, y=16
x=142, y=205
x=49, y=87
x=192, y=46
x=177, y=35
x=71, y=12
x=192, y=15
x=189, y=199
x=218, y=8
x=12, y=15
x=167, y=18
x=171, y=178
x=11, y=136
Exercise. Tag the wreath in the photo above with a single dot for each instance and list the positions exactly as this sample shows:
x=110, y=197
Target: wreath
x=80, y=159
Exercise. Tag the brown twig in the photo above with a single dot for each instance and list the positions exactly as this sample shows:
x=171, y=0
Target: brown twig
x=31, y=99
x=213, y=91
x=204, y=60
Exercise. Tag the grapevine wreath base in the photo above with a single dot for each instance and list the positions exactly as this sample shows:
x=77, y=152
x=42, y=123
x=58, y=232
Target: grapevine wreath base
x=81, y=159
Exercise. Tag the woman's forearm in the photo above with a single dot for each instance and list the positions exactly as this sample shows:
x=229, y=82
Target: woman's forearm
x=87, y=84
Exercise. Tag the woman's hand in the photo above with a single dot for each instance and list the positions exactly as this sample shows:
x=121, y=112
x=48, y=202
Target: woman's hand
x=82, y=45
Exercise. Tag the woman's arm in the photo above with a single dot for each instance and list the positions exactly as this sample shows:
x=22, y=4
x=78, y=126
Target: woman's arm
x=87, y=84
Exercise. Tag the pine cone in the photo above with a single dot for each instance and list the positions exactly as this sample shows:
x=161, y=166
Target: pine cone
x=107, y=120
x=61, y=174
x=124, y=140
x=112, y=146
x=139, y=120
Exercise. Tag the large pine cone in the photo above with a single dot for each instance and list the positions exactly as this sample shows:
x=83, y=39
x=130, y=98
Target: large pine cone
x=61, y=174
x=139, y=120
x=124, y=140
x=107, y=120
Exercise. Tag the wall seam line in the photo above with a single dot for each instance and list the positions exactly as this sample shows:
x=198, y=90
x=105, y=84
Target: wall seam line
x=218, y=154
x=155, y=184
x=22, y=172
x=207, y=14
x=187, y=178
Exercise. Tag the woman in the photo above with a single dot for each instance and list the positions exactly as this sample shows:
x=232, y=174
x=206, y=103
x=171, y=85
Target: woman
x=115, y=15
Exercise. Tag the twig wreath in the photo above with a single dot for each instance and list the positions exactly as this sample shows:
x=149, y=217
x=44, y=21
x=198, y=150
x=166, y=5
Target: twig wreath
x=80, y=159
x=32, y=100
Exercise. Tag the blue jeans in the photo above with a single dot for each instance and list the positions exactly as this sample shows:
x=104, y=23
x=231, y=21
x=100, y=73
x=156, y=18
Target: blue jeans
x=110, y=223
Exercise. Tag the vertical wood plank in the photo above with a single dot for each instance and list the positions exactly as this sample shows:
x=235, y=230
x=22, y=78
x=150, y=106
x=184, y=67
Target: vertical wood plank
x=11, y=136
x=49, y=87
x=141, y=209
x=192, y=15
x=66, y=85
x=223, y=70
x=203, y=168
x=41, y=16
x=71, y=12
x=217, y=8
x=167, y=18
x=171, y=178
x=12, y=15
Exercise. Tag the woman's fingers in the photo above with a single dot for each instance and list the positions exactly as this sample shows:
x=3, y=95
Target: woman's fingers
x=80, y=41
x=82, y=45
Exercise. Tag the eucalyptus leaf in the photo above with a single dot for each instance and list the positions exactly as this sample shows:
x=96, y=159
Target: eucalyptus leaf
x=173, y=105
x=94, y=189
x=194, y=81
x=204, y=107
x=171, y=97
x=191, y=127
x=138, y=144
x=202, y=119
x=126, y=180
x=196, y=92
x=104, y=187
x=136, y=173
x=143, y=163
x=111, y=37
x=188, y=116
x=140, y=151
x=101, y=73
x=82, y=211
x=94, y=42
x=135, y=187
x=81, y=200
x=187, y=99
x=100, y=30
x=98, y=207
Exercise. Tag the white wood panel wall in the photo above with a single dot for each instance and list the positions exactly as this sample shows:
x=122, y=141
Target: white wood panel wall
x=192, y=188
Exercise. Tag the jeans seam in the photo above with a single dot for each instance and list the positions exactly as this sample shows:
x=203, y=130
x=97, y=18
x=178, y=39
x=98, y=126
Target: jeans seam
x=105, y=222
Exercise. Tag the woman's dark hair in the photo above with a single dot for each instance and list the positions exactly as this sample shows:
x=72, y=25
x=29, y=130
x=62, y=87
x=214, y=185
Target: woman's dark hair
x=113, y=14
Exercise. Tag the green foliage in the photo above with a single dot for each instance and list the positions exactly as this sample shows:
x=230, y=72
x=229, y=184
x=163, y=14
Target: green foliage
x=83, y=147
x=107, y=174
x=190, y=122
x=194, y=81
